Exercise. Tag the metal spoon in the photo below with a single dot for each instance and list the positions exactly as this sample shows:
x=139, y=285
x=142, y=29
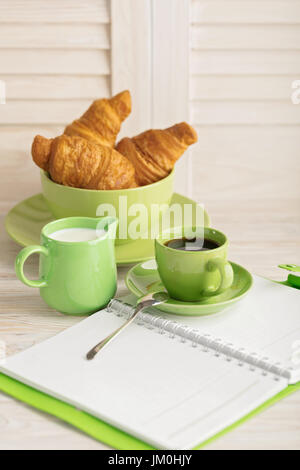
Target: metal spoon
x=148, y=300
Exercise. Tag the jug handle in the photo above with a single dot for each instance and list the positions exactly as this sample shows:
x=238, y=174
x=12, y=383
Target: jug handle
x=19, y=265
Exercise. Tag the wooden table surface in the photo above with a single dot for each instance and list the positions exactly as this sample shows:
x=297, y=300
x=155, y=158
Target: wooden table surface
x=262, y=219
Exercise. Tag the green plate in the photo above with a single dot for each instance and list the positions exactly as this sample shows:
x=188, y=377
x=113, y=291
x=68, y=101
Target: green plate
x=24, y=223
x=144, y=278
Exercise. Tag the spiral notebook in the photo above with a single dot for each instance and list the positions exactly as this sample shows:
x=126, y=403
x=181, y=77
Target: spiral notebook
x=166, y=382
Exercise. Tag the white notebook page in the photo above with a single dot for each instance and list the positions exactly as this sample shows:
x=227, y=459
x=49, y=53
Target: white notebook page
x=265, y=322
x=161, y=390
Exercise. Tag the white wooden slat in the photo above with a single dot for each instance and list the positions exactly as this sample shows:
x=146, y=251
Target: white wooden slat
x=245, y=11
x=246, y=37
x=54, y=62
x=25, y=135
x=170, y=61
x=2, y=92
x=131, y=59
x=240, y=113
x=252, y=162
x=248, y=142
x=93, y=36
x=213, y=87
x=170, y=45
x=246, y=62
x=54, y=11
x=56, y=87
x=42, y=112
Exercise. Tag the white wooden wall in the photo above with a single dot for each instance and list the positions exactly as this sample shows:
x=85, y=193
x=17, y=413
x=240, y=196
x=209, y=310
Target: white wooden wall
x=225, y=65
x=150, y=56
x=54, y=58
x=244, y=56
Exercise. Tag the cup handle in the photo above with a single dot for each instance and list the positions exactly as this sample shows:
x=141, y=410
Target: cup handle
x=226, y=273
x=19, y=265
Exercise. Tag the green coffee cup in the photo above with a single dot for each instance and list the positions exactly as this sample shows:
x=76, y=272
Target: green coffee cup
x=193, y=275
x=76, y=277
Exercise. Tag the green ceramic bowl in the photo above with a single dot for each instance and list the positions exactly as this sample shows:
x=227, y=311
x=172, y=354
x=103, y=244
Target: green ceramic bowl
x=64, y=201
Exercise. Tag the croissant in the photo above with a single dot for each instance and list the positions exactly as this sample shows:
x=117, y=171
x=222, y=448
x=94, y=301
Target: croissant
x=154, y=152
x=101, y=123
x=73, y=161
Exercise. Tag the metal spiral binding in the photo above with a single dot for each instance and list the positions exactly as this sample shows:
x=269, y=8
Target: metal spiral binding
x=152, y=320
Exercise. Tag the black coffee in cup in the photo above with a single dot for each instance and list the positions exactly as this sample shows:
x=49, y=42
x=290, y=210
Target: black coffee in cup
x=192, y=244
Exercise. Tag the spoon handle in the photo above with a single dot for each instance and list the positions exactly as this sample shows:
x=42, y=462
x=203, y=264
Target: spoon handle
x=92, y=353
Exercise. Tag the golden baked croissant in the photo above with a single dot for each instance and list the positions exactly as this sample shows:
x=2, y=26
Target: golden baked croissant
x=102, y=121
x=76, y=162
x=154, y=152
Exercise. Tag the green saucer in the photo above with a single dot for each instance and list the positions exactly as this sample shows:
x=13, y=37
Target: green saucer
x=24, y=223
x=144, y=278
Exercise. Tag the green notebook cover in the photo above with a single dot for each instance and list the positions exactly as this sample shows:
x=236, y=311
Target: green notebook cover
x=98, y=429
